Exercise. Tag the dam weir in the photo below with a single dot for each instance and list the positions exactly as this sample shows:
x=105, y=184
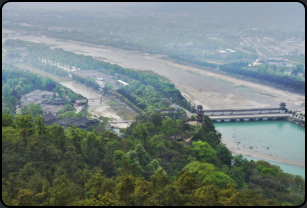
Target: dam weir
x=252, y=114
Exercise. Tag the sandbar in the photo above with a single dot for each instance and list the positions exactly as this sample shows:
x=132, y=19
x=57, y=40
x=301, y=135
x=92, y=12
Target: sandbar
x=233, y=147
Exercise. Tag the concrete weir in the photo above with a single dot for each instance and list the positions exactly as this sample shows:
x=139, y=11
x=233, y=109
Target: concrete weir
x=253, y=114
x=236, y=118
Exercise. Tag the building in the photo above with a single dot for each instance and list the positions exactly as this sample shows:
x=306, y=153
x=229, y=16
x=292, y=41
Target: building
x=122, y=82
x=58, y=101
x=82, y=123
x=64, y=122
x=81, y=102
x=177, y=107
x=54, y=109
x=36, y=97
x=49, y=118
x=231, y=51
x=177, y=137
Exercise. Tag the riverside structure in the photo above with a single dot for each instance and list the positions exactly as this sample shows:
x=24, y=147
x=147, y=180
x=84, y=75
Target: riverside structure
x=255, y=114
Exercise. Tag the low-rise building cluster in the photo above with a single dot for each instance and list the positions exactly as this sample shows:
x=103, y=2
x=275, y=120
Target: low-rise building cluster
x=82, y=123
x=42, y=98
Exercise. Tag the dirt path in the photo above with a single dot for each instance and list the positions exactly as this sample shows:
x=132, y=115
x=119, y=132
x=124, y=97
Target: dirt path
x=95, y=107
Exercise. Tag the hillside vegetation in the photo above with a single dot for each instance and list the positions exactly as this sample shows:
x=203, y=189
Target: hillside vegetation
x=49, y=165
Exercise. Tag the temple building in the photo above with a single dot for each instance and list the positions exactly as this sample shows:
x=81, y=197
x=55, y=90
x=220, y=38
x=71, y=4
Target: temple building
x=58, y=101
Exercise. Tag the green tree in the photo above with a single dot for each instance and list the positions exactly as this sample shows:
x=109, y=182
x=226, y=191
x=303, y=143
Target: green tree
x=156, y=119
x=25, y=197
x=35, y=109
x=69, y=114
x=25, y=124
x=7, y=120
x=206, y=173
x=142, y=191
x=125, y=189
x=224, y=154
x=193, y=118
x=140, y=132
x=61, y=194
x=107, y=86
x=204, y=151
x=24, y=110
x=237, y=174
x=169, y=127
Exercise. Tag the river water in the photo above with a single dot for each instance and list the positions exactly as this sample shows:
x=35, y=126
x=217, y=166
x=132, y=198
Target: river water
x=278, y=142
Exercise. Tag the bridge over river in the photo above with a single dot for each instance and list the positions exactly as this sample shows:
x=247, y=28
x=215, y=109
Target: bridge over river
x=256, y=114
x=257, y=117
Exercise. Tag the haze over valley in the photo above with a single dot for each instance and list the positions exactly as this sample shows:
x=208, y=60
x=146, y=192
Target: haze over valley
x=150, y=92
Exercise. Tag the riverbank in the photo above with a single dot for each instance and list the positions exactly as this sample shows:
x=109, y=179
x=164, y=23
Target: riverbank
x=233, y=147
x=207, y=88
x=296, y=121
x=288, y=97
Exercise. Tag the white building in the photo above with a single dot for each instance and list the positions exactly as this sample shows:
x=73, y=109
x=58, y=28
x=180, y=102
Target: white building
x=122, y=82
x=231, y=51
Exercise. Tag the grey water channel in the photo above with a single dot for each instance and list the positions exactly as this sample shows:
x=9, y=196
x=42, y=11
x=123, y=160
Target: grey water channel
x=277, y=142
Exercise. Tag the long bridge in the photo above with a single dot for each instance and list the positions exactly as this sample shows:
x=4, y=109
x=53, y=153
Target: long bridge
x=255, y=114
x=255, y=117
x=243, y=111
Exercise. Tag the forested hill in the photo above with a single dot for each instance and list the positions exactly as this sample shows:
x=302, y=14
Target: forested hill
x=49, y=165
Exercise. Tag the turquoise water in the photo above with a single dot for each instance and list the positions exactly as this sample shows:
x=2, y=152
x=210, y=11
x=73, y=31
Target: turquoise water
x=281, y=139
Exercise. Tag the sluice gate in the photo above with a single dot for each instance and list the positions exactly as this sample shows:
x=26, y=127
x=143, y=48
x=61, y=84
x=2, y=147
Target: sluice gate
x=252, y=114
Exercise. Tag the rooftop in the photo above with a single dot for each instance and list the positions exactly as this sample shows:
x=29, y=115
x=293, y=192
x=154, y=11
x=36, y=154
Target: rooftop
x=125, y=83
x=83, y=121
x=49, y=117
x=81, y=101
x=54, y=109
x=177, y=137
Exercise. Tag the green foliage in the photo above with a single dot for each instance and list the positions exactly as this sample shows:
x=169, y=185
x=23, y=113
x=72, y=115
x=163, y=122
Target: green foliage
x=169, y=127
x=207, y=174
x=268, y=171
x=262, y=73
x=35, y=109
x=204, y=151
x=50, y=165
x=224, y=154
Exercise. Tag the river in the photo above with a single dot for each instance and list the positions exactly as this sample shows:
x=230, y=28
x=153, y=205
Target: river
x=211, y=90
x=278, y=142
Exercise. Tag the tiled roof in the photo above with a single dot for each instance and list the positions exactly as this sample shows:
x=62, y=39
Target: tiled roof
x=177, y=136
x=48, y=117
x=83, y=121
x=81, y=101
x=31, y=93
x=58, y=99
x=64, y=122
x=80, y=122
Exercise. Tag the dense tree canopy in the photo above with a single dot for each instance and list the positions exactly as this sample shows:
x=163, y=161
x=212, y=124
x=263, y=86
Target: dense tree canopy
x=49, y=165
